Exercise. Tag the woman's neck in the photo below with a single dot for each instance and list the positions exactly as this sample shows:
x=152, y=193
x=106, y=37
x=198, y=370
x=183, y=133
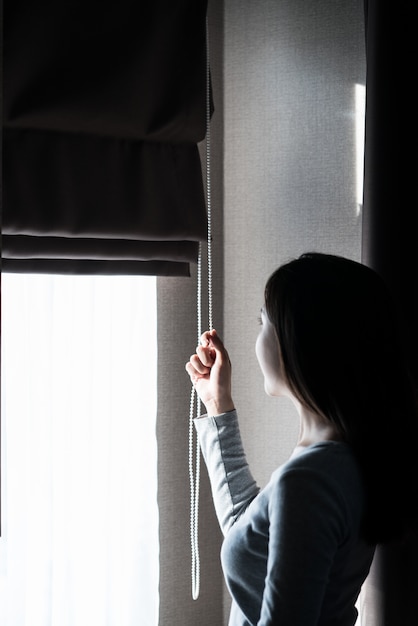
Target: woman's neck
x=313, y=427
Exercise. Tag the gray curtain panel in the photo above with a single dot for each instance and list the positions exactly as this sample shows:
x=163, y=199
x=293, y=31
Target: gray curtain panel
x=103, y=110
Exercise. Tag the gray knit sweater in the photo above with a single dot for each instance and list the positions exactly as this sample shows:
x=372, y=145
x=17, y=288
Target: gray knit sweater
x=292, y=553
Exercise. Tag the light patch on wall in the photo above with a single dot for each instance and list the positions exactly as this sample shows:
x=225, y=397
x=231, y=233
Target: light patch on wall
x=360, y=111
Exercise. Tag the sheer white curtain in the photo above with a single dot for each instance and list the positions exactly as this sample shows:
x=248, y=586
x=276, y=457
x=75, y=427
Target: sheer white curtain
x=80, y=517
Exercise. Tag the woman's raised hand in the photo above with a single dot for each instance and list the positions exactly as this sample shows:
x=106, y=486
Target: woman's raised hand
x=210, y=372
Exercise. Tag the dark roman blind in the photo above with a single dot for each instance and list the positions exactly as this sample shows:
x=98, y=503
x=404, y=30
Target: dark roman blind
x=104, y=105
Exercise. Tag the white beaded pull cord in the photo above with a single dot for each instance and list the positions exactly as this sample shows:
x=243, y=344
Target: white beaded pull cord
x=194, y=468
x=194, y=448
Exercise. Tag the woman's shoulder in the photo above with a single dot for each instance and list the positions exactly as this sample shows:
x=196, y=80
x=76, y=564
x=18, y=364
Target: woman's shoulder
x=329, y=466
x=323, y=455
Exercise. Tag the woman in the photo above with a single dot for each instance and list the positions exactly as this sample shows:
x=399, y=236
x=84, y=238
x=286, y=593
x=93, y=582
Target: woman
x=297, y=552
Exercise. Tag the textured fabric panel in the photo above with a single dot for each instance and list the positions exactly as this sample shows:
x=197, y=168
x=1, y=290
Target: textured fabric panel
x=290, y=71
x=177, y=340
x=135, y=70
x=73, y=203
x=290, y=75
x=59, y=184
x=103, y=110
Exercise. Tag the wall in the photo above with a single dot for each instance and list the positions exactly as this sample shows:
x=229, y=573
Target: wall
x=290, y=69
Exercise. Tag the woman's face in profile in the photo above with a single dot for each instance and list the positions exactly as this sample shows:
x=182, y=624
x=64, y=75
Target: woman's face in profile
x=267, y=351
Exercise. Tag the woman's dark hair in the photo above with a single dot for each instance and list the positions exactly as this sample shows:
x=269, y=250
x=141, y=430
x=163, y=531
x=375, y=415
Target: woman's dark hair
x=343, y=358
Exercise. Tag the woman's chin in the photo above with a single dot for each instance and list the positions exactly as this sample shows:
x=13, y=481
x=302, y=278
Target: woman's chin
x=275, y=391
x=270, y=391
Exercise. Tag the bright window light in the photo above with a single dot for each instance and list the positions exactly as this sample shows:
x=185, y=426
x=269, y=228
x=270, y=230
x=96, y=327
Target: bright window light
x=79, y=543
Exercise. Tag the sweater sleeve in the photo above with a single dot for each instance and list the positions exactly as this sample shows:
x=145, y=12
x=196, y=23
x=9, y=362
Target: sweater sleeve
x=233, y=487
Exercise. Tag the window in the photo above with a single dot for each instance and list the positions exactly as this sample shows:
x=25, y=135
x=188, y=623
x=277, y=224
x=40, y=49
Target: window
x=80, y=516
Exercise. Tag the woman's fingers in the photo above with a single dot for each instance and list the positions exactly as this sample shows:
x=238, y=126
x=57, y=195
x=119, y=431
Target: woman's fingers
x=210, y=372
x=206, y=355
x=210, y=339
x=209, y=352
x=205, y=338
x=218, y=349
x=198, y=366
x=193, y=373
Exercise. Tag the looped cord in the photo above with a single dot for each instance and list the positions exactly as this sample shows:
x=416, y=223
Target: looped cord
x=194, y=449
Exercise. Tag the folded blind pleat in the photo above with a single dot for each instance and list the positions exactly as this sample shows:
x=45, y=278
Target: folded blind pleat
x=26, y=247
x=89, y=267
